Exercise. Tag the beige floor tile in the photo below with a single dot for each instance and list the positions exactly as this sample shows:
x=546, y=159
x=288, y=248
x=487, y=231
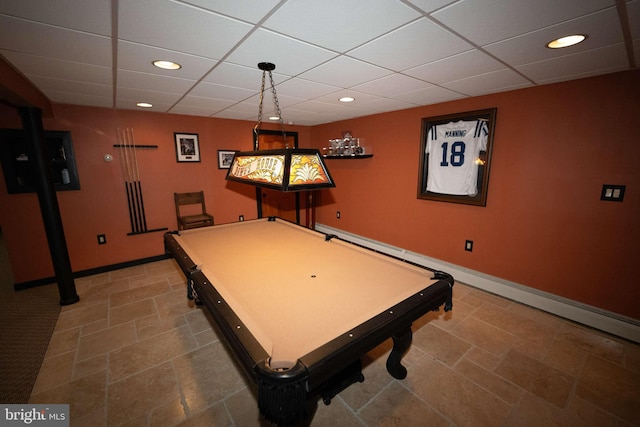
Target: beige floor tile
x=497, y=385
x=174, y=303
x=526, y=329
x=206, y=376
x=129, y=312
x=153, y=351
x=455, y=397
x=84, y=395
x=483, y=358
x=169, y=414
x=592, y=341
x=138, y=394
x=90, y=366
x=611, y=387
x=540, y=379
x=566, y=357
x=396, y=406
x=137, y=293
x=63, y=342
x=484, y=335
x=82, y=316
x=150, y=326
x=215, y=415
x=243, y=408
x=54, y=371
x=440, y=345
x=106, y=340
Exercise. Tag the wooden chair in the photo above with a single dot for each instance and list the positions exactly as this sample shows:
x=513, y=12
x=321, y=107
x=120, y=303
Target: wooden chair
x=194, y=217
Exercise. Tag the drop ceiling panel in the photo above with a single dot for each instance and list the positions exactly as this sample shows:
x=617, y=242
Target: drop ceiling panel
x=414, y=44
x=488, y=21
x=58, y=69
x=290, y=56
x=391, y=85
x=583, y=64
x=456, y=67
x=92, y=16
x=487, y=83
x=138, y=57
x=388, y=54
x=344, y=72
x=179, y=27
x=601, y=27
x=54, y=42
x=339, y=25
x=251, y=11
x=151, y=82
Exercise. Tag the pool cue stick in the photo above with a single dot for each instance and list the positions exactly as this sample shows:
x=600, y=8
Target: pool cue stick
x=138, y=186
x=136, y=220
x=124, y=174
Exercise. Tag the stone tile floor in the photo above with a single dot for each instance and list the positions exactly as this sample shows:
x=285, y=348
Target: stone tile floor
x=135, y=352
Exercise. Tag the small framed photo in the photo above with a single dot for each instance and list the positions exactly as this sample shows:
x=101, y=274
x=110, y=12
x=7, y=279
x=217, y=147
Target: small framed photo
x=187, y=147
x=225, y=157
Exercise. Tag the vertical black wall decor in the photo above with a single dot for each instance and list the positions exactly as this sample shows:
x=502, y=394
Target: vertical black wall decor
x=32, y=124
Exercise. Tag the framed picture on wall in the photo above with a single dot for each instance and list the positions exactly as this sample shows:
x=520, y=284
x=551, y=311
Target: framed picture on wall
x=187, y=147
x=455, y=157
x=225, y=157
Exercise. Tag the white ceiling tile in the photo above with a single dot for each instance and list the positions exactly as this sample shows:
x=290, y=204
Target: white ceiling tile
x=487, y=21
x=47, y=84
x=344, y=72
x=179, y=27
x=429, y=6
x=140, y=95
x=138, y=57
x=339, y=25
x=238, y=76
x=251, y=11
x=430, y=95
x=601, y=27
x=488, y=83
x=92, y=16
x=599, y=61
x=290, y=56
x=391, y=85
x=304, y=88
x=211, y=90
x=58, y=69
x=80, y=99
x=144, y=81
x=53, y=42
x=398, y=49
x=456, y=67
x=443, y=50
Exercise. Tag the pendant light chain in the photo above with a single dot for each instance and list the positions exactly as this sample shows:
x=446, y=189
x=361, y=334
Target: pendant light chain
x=267, y=67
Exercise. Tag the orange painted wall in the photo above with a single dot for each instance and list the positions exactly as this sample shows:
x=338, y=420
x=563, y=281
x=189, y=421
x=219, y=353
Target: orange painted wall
x=544, y=225
x=100, y=206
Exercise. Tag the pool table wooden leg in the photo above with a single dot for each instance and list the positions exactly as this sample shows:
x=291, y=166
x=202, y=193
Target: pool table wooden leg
x=401, y=343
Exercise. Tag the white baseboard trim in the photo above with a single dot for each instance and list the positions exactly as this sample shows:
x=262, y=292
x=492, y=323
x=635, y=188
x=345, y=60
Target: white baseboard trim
x=585, y=314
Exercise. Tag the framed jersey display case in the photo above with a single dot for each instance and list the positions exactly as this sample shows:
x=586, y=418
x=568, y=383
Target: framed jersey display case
x=455, y=157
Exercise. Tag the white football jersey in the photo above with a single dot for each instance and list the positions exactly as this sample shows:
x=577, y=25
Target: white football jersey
x=453, y=150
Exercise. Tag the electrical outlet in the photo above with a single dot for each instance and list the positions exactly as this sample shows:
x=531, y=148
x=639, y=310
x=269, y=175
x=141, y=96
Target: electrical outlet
x=241, y=218
x=102, y=239
x=338, y=214
x=468, y=245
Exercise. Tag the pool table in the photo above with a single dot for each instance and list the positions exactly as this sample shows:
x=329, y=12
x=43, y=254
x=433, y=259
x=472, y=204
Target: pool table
x=299, y=308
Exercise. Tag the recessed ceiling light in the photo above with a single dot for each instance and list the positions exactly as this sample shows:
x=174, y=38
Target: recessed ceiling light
x=347, y=99
x=566, y=41
x=144, y=105
x=274, y=118
x=167, y=65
